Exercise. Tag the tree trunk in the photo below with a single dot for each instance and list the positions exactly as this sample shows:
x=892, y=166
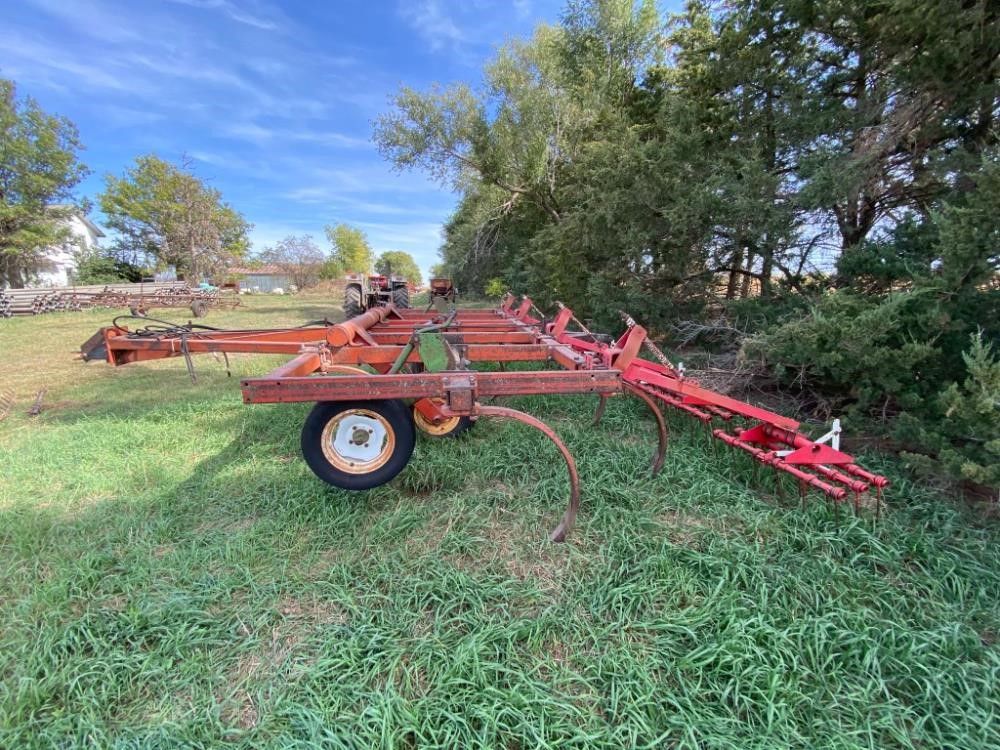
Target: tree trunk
x=747, y=278
x=734, y=273
x=767, y=268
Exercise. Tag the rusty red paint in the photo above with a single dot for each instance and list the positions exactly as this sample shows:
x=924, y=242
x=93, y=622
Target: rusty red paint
x=325, y=360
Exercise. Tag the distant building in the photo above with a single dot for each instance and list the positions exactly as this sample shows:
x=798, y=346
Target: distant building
x=262, y=279
x=58, y=264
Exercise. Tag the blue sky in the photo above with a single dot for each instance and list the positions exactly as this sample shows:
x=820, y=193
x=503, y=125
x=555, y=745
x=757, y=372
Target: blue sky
x=273, y=101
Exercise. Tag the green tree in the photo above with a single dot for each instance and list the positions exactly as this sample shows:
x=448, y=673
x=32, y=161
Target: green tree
x=901, y=98
x=400, y=264
x=102, y=267
x=299, y=257
x=38, y=166
x=495, y=288
x=823, y=173
x=350, y=248
x=165, y=213
x=330, y=269
x=512, y=148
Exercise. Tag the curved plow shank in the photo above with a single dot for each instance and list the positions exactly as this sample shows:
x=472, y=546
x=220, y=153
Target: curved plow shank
x=569, y=517
x=661, y=426
x=599, y=414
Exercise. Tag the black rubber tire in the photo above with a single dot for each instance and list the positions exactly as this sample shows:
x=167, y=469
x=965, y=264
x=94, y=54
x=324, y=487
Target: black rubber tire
x=401, y=297
x=400, y=419
x=352, y=301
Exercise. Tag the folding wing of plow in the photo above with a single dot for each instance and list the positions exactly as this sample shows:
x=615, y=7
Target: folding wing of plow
x=380, y=376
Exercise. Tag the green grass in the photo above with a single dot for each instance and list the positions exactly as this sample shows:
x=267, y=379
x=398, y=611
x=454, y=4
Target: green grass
x=172, y=574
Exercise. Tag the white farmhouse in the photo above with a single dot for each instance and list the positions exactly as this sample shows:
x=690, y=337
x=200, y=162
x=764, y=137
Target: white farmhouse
x=59, y=261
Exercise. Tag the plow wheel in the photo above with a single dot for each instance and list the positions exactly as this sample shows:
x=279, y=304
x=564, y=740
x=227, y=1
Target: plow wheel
x=357, y=445
x=452, y=427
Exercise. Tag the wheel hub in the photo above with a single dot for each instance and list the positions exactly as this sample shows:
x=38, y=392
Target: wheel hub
x=358, y=441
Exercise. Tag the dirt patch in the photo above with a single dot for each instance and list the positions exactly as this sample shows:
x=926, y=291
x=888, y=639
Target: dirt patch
x=313, y=611
x=162, y=550
x=228, y=525
x=272, y=656
x=684, y=528
x=512, y=546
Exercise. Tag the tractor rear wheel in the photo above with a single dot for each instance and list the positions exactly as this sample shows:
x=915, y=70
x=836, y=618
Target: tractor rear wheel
x=357, y=445
x=401, y=297
x=352, y=301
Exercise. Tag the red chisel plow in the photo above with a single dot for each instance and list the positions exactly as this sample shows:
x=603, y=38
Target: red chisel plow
x=362, y=430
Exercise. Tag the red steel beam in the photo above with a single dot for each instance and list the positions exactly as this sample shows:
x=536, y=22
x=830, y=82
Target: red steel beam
x=643, y=372
x=277, y=388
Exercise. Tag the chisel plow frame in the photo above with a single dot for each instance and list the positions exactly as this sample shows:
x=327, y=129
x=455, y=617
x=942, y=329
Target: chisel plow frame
x=373, y=377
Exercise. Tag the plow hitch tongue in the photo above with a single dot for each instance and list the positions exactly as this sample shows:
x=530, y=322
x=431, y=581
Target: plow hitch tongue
x=380, y=377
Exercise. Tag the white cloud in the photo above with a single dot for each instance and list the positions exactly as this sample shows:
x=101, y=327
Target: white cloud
x=267, y=234
x=89, y=19
x=434, y=24
x=129, y=117
x=420, y=239
x=257, y=18
x=251, y=131
x=37, y=54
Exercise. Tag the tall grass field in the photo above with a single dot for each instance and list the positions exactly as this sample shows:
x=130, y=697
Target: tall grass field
x=173, y=575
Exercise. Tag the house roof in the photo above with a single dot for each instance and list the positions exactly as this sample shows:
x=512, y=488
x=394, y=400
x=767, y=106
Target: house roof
x=96, y=230
x=91, y=226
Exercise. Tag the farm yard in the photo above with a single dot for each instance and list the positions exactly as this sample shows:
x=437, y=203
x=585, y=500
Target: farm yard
x=175, y=575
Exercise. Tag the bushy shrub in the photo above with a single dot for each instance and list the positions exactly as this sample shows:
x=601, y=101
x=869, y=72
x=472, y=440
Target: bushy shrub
x=495, y=288
x=964, y=439
x=891, y=345
x=100, y=268
x=330, y=270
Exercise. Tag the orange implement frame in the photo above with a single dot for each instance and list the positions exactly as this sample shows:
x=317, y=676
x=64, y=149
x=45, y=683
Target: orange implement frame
x=324, y=368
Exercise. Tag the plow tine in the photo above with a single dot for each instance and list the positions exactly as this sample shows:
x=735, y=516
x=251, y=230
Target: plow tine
x=569, y=517
x=661, y=426
x=834, y=493
x=600, y=410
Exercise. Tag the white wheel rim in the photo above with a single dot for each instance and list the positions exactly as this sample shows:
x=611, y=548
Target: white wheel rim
x=358, y=441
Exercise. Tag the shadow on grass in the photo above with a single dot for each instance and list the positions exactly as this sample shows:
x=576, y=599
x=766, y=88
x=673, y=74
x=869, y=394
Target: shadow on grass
x=241, y=594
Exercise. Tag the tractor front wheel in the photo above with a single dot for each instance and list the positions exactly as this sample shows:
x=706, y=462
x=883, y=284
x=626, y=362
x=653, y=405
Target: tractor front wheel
x=357, y=445
x=352, y=301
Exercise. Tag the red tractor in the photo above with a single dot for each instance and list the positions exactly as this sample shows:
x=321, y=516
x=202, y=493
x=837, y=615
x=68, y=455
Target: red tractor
x=364, y=292
x=443, y=288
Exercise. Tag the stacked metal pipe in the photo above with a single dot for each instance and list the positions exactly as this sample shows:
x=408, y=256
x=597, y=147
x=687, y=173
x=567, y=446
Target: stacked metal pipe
x=118, y=295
